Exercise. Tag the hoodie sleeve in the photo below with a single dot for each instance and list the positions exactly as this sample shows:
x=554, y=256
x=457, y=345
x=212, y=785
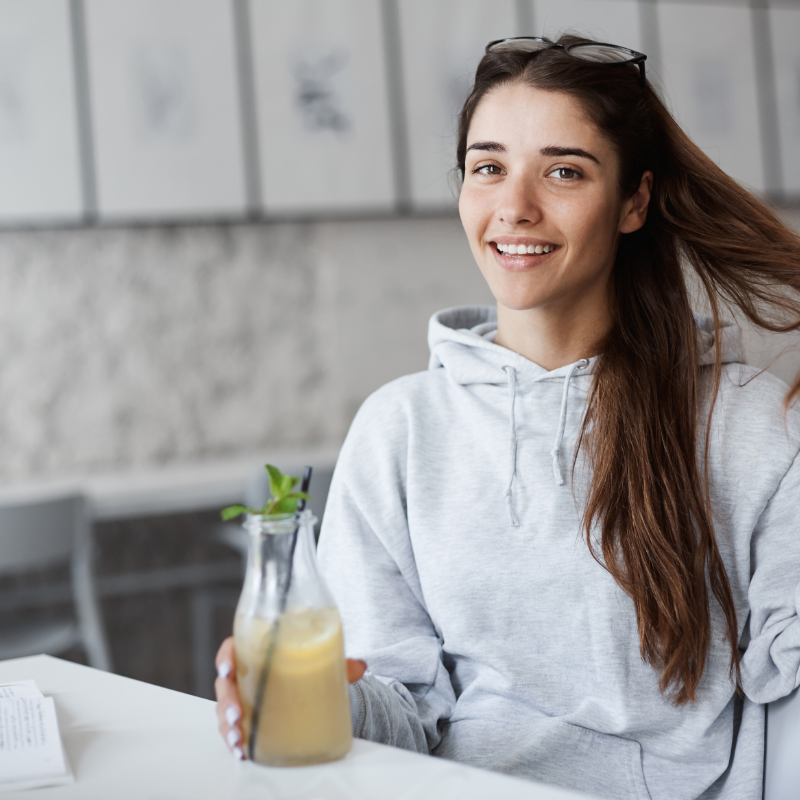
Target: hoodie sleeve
x=771, y=662
x=366, y=556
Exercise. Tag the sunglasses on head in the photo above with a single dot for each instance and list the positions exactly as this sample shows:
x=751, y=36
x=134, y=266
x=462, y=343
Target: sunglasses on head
x=595, y=52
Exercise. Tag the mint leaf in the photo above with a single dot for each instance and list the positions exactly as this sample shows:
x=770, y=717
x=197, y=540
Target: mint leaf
x=298, y=496
x=287, y=484
x=275, y=480
x=284, y=500
x=231, y=512
x=287, y=505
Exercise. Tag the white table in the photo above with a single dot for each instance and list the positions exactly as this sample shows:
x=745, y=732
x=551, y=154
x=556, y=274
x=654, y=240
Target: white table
x=126, y=739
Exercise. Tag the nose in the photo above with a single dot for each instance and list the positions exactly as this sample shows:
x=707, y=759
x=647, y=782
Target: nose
x=519, y=203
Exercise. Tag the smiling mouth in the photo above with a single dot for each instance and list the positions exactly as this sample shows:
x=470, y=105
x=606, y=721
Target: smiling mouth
x=524, y=250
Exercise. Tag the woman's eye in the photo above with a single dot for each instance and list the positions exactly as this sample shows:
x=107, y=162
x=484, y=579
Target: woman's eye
x=487, y=169
x=566, y=174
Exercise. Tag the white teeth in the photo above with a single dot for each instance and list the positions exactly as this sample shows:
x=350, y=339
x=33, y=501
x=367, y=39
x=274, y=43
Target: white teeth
x=521, y=249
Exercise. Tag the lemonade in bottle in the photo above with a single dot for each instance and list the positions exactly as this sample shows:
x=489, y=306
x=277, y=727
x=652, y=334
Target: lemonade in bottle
x=305, y=710
x=290, y=663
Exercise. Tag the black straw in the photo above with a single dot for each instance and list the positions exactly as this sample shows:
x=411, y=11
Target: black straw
x=273, y=631
x=300, y=508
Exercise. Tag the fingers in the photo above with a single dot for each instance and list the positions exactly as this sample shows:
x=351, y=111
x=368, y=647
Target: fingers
x=229, y=707
x=355, y=670
x=226, y=654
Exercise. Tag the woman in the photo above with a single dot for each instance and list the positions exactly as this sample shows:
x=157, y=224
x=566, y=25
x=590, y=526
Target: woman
x=569, y=550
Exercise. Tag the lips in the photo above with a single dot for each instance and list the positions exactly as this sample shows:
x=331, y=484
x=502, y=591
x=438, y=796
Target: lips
x=516, y=261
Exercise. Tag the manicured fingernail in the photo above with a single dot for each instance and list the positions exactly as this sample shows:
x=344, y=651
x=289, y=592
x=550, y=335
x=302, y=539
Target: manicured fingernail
x=233, y=737
x=238, y=753
x=224, y=669
x=231, y=715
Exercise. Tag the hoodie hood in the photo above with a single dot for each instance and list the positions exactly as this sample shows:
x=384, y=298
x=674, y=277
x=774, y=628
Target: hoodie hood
x=461, y=341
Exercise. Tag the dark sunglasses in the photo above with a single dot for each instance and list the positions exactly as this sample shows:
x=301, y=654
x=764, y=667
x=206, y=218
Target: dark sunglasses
x=596, y=52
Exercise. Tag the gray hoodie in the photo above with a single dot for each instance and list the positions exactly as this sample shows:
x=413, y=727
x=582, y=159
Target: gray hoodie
x=453, y=547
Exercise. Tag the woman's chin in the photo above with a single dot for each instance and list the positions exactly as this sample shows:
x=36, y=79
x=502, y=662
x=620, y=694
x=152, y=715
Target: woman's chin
x=516, y=293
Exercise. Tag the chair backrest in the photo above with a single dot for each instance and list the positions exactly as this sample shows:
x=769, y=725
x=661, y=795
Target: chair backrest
x=41, y=532
x=782, y=761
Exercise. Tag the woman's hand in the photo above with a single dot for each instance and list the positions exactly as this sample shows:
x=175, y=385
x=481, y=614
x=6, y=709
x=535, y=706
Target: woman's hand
x=229, y=707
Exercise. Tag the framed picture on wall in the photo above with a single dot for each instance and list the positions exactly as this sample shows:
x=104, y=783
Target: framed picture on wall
x=39, y=146
x=785, y=33
x=167, y=122
x=613, y=21
x=322, y=106
x=710, y=82
x=441, y=45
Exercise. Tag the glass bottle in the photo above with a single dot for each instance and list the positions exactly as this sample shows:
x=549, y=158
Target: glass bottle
x=290, y=662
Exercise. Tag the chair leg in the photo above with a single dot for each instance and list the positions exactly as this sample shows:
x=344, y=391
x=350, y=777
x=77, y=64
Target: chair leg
x=86, y=604
x=203, y=643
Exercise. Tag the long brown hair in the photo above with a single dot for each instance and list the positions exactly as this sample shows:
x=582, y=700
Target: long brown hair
x=642, y=432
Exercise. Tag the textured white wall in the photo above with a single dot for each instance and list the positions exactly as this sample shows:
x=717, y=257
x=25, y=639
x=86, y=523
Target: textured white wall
x=136, y=346
x=129, y=347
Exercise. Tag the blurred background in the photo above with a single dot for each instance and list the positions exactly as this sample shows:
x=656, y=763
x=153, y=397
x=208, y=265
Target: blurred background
x=223, y=223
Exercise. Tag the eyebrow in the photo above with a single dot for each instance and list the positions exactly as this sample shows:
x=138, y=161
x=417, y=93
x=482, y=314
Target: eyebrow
x=560, y=152
x=549, y=152
x=492, y=147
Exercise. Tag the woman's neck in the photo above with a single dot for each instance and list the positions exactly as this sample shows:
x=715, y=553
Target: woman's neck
x=552, y=337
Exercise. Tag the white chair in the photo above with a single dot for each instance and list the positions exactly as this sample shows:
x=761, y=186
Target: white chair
x=43, y=534
x=782, y=761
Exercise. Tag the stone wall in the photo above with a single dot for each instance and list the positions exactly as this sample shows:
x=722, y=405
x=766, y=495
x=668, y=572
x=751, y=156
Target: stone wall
x=129, y=347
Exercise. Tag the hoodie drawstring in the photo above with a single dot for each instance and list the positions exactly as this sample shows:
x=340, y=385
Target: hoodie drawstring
x=512, y=449
x=512, y=394
x=562, y=422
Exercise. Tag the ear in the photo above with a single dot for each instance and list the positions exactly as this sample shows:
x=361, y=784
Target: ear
x=634, y=209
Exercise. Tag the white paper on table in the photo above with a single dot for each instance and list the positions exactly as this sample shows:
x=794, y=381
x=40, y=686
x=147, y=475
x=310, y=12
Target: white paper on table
x=31, y=754
x=26, y=688
x=442, y=44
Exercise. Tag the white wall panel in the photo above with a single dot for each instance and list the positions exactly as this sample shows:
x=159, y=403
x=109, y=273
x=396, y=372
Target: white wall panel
x=785, y=32
x=322, y=106
x=709, y=74
x=39, y=153
x=165, y=108
x=442, y=43
x=613, y=21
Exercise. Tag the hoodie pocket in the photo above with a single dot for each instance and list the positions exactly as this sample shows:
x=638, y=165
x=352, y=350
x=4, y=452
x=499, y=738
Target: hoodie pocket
x=551, y=751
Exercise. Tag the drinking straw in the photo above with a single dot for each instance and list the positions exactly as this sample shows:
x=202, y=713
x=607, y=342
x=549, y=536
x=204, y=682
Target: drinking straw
x=273, y=630
x=300, y=507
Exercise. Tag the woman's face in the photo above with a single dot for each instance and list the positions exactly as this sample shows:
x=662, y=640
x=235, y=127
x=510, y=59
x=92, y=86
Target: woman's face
x=540, y=179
